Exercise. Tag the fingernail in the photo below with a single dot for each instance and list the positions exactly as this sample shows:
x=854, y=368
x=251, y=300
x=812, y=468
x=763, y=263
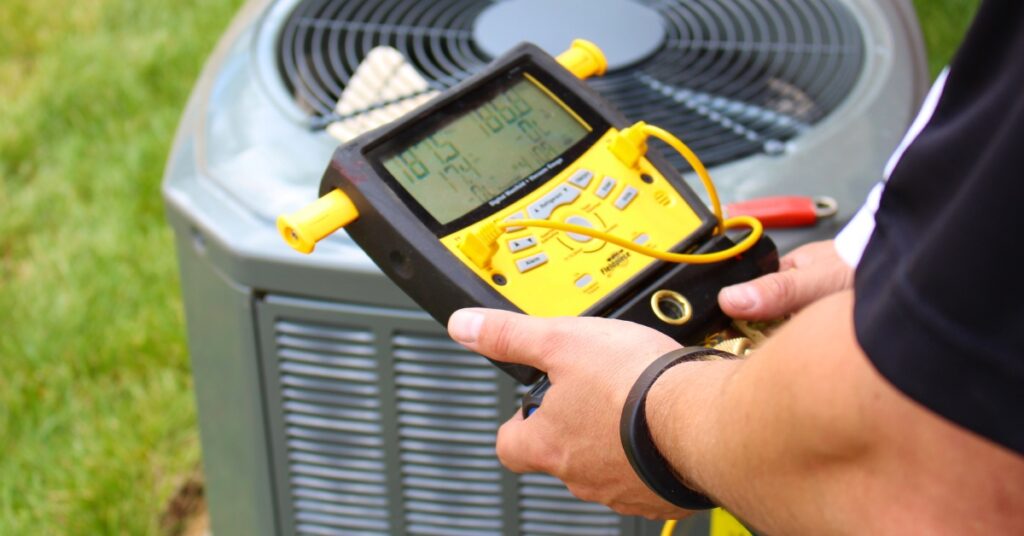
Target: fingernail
x=464, y=325
x=741, y=297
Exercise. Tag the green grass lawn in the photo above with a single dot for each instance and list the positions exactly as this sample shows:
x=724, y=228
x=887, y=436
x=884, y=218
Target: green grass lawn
x=97, y=422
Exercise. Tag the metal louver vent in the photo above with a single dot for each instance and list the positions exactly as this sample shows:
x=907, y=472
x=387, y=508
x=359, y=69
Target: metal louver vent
x=331, y=402
x=448, y=417
x=547, y=508
x=733, y=78
x=390, y=429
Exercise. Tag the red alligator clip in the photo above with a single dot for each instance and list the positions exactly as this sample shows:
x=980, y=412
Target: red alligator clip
x=785, y=211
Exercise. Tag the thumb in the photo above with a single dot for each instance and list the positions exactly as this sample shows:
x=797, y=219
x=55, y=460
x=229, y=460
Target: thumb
x=774, y=295
x=506, y=336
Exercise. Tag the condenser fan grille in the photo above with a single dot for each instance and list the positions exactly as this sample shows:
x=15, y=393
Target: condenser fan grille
x=731, y=77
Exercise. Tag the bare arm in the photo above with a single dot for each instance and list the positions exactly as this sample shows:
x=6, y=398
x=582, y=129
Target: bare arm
x=806, y=437
x=803, y=438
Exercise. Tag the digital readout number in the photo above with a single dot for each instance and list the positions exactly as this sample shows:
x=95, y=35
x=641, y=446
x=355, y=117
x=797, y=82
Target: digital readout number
x=481, y=153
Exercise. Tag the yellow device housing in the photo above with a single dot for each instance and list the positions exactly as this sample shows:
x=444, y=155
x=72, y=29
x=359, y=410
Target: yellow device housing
x=552, y=273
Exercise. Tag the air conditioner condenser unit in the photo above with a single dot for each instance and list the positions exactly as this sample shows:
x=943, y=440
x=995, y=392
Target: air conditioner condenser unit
x=328, y=402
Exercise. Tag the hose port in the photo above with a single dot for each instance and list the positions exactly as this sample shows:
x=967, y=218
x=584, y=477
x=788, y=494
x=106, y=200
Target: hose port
x=671, y=307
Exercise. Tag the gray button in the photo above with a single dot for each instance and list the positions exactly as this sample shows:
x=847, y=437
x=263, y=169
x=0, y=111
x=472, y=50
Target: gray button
x=516, y=216
x=542, y=208
x=642, y=239
x=625, y=198
x=582, y=178
x=584, y=281
x=582, y=222
x=606, y=187
x=529, y=263
x=520, y=244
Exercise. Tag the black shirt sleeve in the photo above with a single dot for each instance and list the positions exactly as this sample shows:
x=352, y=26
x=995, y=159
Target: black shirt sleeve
x=940, y=288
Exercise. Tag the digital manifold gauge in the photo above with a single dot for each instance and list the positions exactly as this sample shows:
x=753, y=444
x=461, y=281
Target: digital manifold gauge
x=523, y=189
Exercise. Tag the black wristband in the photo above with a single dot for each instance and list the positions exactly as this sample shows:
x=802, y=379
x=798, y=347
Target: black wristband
x=635, y=433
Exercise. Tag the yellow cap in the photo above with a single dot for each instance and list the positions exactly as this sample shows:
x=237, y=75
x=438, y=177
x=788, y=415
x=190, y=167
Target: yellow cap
x=316, y=221
x=629, y=145
x=583, y=59
x=481, y=246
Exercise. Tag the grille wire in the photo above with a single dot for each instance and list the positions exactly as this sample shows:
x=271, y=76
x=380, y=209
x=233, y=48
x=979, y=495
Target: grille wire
x=733, y=77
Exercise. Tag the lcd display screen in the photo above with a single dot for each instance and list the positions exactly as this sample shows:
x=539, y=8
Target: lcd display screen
x=485, y=151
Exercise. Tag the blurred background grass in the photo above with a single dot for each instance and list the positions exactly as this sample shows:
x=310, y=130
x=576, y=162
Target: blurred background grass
x=97, y=421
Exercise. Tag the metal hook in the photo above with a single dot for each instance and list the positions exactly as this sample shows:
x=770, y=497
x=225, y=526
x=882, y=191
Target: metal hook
x=825, y=206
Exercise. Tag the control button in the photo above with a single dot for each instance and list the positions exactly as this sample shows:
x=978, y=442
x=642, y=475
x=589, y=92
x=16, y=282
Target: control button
x=582, y=178
x=606, y=187
x=529, y=263
x=582, y=222
x=542, y=208
x=625, y=198
x=584, y=281
x=516, y=216
x=519, y=244
x=642, y=239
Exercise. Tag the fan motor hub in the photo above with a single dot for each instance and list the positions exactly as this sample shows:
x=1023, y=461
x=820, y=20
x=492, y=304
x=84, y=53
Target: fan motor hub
x=627, y=32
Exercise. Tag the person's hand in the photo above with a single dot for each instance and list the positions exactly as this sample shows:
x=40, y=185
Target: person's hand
x=592, y=364
x=805, y=275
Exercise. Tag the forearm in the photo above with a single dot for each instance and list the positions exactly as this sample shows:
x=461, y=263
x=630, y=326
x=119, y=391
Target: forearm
x=805, y=437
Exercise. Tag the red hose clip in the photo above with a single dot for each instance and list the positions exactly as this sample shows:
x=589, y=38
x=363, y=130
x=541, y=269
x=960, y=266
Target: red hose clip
x=785, y=211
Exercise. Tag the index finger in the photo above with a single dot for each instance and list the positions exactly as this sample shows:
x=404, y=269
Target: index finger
x=517, y=447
